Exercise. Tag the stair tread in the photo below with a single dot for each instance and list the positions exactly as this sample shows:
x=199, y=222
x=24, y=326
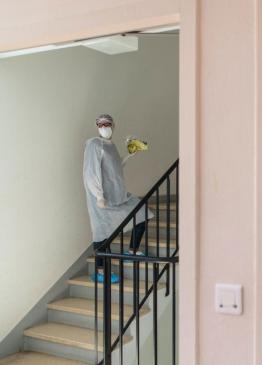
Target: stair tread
x=87, y=307
x=69, y=335
x=126, y=264
x=162, y=206
x=151, y=242
x=86, y=281
x=162, y=224
x=36, y=358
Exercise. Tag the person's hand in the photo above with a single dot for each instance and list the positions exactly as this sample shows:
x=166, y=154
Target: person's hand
x=133, y=154
x=125, y=159
x=101, y=203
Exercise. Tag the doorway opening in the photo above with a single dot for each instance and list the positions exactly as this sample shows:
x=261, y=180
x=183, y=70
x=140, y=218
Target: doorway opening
x=59, y=91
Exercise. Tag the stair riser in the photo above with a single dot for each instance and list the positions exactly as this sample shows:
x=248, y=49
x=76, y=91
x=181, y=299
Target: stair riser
x=128, y=272
x=56, y=349
x=78, y=291
x=163, y=213
x=79, y=320
x=151, y=250
x=142, y=274
x=163, y=195
x=162, y=232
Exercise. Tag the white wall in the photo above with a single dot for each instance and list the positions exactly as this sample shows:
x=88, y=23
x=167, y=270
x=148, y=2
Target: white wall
x=48, y=104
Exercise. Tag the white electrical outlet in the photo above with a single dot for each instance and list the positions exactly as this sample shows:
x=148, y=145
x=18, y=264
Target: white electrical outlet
x=228, y=299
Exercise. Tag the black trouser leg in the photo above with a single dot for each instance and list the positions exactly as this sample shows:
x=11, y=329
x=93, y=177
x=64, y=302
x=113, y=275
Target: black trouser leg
x=137, y=234
x=97, y=247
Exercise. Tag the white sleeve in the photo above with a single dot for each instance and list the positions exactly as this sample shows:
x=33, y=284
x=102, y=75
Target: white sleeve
x=92, y=169
x=126, y=158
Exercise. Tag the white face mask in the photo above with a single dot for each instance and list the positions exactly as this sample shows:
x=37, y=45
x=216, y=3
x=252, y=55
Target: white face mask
x=105, y=132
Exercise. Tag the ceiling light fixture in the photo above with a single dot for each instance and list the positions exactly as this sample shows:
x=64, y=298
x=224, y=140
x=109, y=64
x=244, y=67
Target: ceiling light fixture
x=113, y=45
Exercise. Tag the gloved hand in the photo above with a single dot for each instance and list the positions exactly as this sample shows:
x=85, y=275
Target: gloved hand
x=124, y=161
x=101, y=203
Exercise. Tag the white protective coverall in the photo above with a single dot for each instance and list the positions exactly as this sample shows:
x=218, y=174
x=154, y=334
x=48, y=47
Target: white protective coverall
x=104, y=179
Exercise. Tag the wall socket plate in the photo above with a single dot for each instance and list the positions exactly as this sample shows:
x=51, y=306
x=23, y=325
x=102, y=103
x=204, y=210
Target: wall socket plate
x=228, y=299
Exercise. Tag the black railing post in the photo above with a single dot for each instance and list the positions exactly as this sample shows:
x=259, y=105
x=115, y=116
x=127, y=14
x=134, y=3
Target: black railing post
x=157, y=228
x=96, y=314
x=146, y=246
x=168, y=233
x=107, y=311
x=155, y=314
x=174, y=313
x=177, y=209
x=134, y=267
x=137, y=314
x=121, y=301
x=157, y=222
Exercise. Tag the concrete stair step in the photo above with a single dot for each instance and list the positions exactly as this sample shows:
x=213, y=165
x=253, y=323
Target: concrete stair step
x=77, y=337
x=152, y=226
x=128, y=269
x=87, y=307
x=151, y=242
x=86, y=281
x=162, y=206
x=163, y=213
x=142, y=265
x=162, y=224
x=35, y=358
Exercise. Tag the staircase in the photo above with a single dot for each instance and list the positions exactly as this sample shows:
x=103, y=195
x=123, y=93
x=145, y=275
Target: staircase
x=74, y=331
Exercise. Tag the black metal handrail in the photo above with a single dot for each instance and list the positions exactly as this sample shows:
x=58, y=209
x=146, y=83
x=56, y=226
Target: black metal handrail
x=174, y=260
x=153, y=259
x=170, y=259
x=140, y=204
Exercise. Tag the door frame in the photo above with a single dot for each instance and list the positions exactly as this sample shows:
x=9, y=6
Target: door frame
x=189, y=142
x=189, y=156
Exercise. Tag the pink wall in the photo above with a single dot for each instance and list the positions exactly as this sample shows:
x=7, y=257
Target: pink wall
x=258, y=253
x=221, y=179
x=227, y=177
x=31, y=23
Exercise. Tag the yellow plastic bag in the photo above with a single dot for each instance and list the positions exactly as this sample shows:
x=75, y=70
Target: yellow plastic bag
x=134, y=145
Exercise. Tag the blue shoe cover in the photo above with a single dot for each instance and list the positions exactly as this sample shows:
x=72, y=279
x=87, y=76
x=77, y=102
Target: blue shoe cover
x=100, y=278
x=114, y=278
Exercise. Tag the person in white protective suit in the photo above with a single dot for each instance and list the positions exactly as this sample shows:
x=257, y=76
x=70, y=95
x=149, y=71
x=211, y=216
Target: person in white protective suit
x=108, y=201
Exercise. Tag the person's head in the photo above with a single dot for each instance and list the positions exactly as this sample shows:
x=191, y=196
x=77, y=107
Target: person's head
x=105, y=124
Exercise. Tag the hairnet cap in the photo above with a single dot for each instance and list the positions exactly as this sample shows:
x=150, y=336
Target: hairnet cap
x=104, y=118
